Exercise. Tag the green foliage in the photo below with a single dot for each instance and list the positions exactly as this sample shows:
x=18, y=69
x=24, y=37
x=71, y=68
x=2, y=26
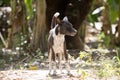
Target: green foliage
x=105, y=72
x=105, y=39
x=1, y=2
x=28, y=4
x=117, y=61
x=20, y=41
x=82, y=73
x=113, y=9
x=6, y=2
x=85, y=56
x=92, y=18
x=117, y=58
x=107, y=68
x=2, y=63
x=101, y=36
x=82, y=55
x=39, y=54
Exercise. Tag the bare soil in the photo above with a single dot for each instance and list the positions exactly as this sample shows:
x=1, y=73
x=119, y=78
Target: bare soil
x=82, y=72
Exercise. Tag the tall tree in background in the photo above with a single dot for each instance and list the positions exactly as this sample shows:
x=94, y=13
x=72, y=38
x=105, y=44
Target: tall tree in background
x=39, y=31
x=106, y=28
x=110, y=15
x=117, y=40
x=18, y=21
x=76, y=10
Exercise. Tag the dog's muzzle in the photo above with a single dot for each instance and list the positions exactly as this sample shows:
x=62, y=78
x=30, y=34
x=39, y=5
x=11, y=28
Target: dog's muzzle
x=74, y=32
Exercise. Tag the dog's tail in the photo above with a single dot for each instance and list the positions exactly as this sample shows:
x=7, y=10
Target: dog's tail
x=55, y=19
x=56, y=14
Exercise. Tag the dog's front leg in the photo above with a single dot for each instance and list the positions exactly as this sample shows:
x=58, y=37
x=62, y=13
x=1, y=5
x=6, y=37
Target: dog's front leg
x=60, y=61
x=66, y=59
x=67, y=63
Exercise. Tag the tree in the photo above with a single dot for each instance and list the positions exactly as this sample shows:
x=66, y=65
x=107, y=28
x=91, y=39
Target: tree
x=117, y=39
x=110, y=15
x=106, y=28
x=18, y=21
x=75, y=10
x=39, y=31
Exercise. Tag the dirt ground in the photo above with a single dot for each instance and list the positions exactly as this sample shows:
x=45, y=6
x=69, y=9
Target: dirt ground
x=43, y=75
x=83, y=72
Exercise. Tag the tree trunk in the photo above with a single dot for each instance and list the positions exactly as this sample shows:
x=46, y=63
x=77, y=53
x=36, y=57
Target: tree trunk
x=106, y=21
x=39, y=31
x=106, y=28
x=117, y=38
x=18, y=19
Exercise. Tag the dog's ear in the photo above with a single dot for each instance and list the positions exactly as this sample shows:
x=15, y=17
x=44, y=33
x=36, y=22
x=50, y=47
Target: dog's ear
x=65, y=19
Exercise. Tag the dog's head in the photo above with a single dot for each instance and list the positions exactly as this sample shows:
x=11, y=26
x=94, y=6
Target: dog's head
x=64, y=26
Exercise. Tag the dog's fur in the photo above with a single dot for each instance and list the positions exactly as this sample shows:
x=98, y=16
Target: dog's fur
x=56, y=41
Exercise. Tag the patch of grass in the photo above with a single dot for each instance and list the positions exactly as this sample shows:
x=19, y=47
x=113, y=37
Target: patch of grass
x=82, y=73
x=107, y=69
x=105, y=39
x=117, y=61
x=84, y=58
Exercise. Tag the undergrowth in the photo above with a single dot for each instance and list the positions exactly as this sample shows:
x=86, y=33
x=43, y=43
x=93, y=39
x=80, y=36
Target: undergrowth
x=107, y=67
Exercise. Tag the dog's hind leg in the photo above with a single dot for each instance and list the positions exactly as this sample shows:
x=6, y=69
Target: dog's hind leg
x=50, y=61
x=66, y=59
x=54, y=63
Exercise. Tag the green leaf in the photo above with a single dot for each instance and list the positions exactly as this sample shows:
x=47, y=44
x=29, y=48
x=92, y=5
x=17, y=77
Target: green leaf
x=28, y=4
x=117, y=1
x=113, y=9
x=1, y=2
x=93, y=18
x=113, y=15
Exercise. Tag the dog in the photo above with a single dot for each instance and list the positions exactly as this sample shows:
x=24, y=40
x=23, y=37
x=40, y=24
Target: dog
x=57, y=44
